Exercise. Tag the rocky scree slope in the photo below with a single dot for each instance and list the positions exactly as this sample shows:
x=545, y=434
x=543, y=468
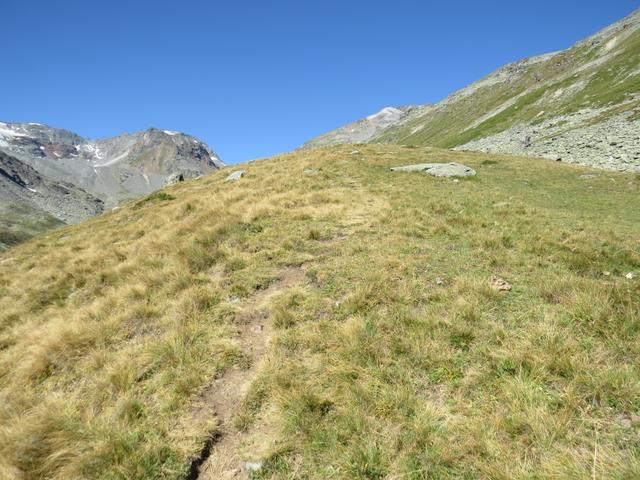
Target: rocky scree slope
x=580, y=105
x=19, y=183
x=31, y=203
x=367, y=128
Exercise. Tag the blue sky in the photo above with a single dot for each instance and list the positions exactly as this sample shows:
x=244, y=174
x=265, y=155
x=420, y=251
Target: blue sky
x=254, y=78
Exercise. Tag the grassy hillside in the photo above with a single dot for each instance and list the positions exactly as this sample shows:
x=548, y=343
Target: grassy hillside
x=581, y=105
x=332, y=319
x=599, y=76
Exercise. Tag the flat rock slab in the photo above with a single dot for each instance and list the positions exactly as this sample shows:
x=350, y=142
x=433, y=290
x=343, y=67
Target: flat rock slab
x=237, y=175
x=439, y=169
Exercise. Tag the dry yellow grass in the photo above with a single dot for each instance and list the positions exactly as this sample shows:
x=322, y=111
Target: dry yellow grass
x=112, y=331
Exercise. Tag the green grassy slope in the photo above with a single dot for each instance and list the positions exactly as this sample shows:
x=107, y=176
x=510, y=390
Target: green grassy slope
x=391, y=357
x=19, y=222
x=601, y=85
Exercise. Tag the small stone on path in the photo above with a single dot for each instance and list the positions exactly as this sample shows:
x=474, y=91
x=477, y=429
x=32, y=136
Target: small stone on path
x=252, y=466
x=499, y=284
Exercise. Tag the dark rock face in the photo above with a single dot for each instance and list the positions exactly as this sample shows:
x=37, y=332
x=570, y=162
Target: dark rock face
x=12, y=176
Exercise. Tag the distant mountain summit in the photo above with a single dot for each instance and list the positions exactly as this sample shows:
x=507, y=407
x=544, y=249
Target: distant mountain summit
x=366, y=129
x=580, y=105
x=51, y=172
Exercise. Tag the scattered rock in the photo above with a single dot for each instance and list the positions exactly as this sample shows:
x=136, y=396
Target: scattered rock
x=355, y=152
x=606, y=274
x=630, y=276
x=309, y=171
x=627, y=421
x=237, y=175
x=499, y=284
x=174, y=178
x=624, y=421
x=439, y=281
x=252, y=467
x=438, y=169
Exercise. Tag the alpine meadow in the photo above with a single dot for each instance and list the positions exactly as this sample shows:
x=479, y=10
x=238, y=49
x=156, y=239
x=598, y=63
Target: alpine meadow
x=442, y=291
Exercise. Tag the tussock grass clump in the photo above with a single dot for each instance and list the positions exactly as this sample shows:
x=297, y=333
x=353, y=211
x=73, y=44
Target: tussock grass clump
x=393, y=357
x=157, y=197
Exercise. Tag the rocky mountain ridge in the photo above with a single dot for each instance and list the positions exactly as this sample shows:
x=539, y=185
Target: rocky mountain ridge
x=113, y=169
x=580, y=105
x=52, y=175
x=367, y=128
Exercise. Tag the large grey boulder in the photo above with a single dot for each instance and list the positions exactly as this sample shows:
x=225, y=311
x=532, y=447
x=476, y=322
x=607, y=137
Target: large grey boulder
x=237, y=175
x=173, y=179
x=438, y=169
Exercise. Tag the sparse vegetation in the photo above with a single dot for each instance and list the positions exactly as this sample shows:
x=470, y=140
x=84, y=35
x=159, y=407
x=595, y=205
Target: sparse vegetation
x=392, y=358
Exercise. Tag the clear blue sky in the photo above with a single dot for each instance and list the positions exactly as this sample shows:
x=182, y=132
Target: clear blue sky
x=253, y=78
